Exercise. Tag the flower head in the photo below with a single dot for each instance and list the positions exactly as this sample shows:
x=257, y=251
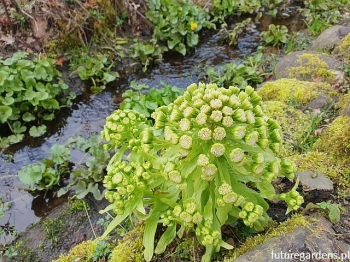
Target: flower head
x=217, y=149
x=193, y=25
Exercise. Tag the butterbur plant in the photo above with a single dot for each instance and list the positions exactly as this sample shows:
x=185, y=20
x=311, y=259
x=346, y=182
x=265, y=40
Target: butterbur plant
x=206, y=160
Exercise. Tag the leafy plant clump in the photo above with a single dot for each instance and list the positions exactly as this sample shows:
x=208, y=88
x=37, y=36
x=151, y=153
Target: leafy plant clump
x=275, y=35
x=30, y=93
x=96, y=70
x=145, y=104
x=207, y=159
x=84, y=176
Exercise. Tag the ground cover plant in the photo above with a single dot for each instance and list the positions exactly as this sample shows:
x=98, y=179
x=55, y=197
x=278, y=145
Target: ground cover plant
x=208, y=160
x=31, y=92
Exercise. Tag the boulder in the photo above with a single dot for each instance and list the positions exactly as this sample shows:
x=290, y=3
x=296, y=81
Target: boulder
x=330, y=37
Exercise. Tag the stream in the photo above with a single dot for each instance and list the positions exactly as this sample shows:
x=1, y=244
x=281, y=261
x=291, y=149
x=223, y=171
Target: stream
x=88, y=113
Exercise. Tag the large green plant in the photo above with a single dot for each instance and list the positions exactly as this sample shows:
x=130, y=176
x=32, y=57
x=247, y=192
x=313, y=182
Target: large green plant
x=177, y=22
x=30, y=92
x=208, y=159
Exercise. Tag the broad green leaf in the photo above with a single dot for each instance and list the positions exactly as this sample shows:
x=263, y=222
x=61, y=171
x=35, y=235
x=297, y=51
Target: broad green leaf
x=266, y=190
x=3, y=77
x=149, y=49
x=5, y=112
x=181, y=48
x=149, y=235
x=8, y=100
x=114, y=223
x=49, y=117
x=18, y=128
x=36, y=131
x=16, y=138
x=109, y=77
x=60, y=153
x=30, y=175
x=40, y=72
x=167, y=237
x=23, y=63
x=27, y=117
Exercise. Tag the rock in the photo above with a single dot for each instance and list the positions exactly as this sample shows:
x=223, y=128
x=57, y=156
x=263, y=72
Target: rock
x=319, y=66
x=301, y=242
x=330, y=37
x=314, y=181
x=320, y=102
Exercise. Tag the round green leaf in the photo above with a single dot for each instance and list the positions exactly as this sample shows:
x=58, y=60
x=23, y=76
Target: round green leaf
x=36, y=131
x=5, y=113
x=27, y=117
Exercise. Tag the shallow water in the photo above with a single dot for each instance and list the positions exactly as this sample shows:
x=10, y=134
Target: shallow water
x=87, y=115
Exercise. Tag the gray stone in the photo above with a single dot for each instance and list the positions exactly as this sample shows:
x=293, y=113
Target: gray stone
x=301, y=242
x=320, y=102
x=291, y=60
x=330, y=37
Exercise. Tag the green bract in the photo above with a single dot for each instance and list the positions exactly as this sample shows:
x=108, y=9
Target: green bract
x=208, y=159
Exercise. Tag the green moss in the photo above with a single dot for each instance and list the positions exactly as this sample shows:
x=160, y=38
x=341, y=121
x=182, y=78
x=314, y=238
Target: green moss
x=344, y=44
x=294, y=123
x=25, y=254
x=325, y=164
x=78, y=205
x=130, y=248
x=83, y=252
x=311, y=65
x=53, y=227
x=343, y=104
x=292, y=91
x=280, y=229
x=336, y=139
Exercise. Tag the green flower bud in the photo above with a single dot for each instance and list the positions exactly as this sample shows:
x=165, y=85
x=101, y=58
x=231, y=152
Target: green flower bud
x=184, y=124
x=191, y=88
x=216, y=104
x=203, y=160
x=119, y=203
x=198, y=103
x=230, y=197
x=121, y=191
x=239, y=115
x=223, y=97
x=186, y=217
x=117, y=178
x=246, y=105
x=220, y=202
x=147, y=165
x=175, y=115
x=169, y=166
x=116, y=196
x=174, y=139
x=205, y=230
x=251, y=138
x=242, y=214
x=207, y=240
x=238, y=132
x=197, y=218
x=208, y=172
x=141, y=184
x=216, y=116
x=219, y=133
x=205, y=109
x=127, y=169
x=255, y=98
x=217, y=149
x=190, y=207
x=109, y=196
x=167, y=133
x=272, y=124
x=201, y=119
x=181, y=187
x=204, y=134
x=249, y=90
x=177, y=211
x=185, y=142
x=224, y=189
x=146, y=175
x=243, y=96
x=208, y=223
x=262, y=130
x=269, y=176
x=252, y=217
x=215, y=234
x=189, y=112
x=159, y=119
x=248, y=206
x=236, y=155
x=118, y=128
x=234, y=89
x=234, y=102
x=263, y=143
x=227, y=121
x=274, y=166
x=282, y=196
x=175, y=176
x=288, y=166
x=258, y=210
x=227, y=111
x=250, y=117
x=198, y=231
x=258, y=111
x=276, y=135
x=258, y=158
x=259, y=121
x=258, y=168
x=118, y=211
x=247, y=223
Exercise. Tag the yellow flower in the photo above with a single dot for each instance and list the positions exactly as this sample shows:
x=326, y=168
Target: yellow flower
x=193, y=26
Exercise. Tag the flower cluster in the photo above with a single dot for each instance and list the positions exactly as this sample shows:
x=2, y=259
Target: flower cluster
x=210, y=157
x=125, y=181
x=207, y=235
x=123, y=126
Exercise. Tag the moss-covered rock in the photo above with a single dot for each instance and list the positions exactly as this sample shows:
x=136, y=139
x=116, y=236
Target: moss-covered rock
x=293, y=121
x=293, y=91
x=344, y=105
x=336, y=139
